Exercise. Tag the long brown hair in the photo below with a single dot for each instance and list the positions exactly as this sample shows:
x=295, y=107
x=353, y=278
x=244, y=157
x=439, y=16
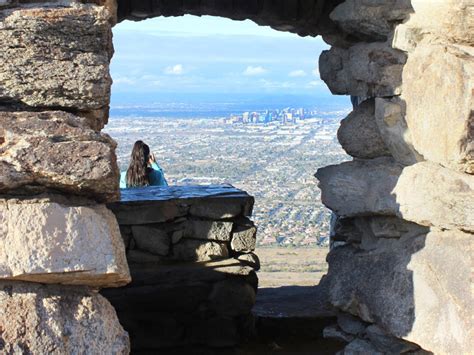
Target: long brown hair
x=137, y=172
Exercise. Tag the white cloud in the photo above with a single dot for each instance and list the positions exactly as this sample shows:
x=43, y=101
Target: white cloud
x=315, y=83
x=297, y=73
x=316, y=72
x=124, y=80
x=177, y=69
x=254, y=71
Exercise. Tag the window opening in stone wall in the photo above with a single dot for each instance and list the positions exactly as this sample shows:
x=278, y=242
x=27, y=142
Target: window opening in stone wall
x=226, y=102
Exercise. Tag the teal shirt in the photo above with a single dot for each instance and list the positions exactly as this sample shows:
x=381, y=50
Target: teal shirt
x=157, y=177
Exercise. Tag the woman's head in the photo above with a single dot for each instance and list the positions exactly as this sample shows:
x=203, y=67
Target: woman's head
x=137, y=172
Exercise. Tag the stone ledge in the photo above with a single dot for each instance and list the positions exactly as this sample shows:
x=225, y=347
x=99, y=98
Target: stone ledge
x=160, y=204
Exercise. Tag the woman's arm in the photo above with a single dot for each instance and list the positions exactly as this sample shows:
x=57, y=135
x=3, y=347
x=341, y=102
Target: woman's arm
x=157, y=177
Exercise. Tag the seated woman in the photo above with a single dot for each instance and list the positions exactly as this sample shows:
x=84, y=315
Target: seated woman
x=143, y=169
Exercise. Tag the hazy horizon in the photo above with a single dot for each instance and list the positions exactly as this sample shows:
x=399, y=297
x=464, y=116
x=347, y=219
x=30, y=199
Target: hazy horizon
x=210, y=56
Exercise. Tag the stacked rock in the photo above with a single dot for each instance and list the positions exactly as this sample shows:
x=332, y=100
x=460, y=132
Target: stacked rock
x=402, y=264
x=190, y=251
x=58, y=242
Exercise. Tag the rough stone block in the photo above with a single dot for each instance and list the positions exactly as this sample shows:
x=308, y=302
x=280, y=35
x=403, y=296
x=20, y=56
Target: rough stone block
x=359, y=134
x=438, y=92
x=388, y=344
x=416, y=288
x=351, y=324
x=157, y=204
x=199, y=250
x=251, y=260
x=360, y=187
x=46, y=319
x=48, y=242
x=232, y=297
x=244, y=237
x=390, y=120
x=370, y=19
x=208, y=230
x=424, y=193
x=56, y=57
x=56, y=150
x=218, y=209
x=151, y=239
x=334, y=332
x=443, y=22
x=364, y=70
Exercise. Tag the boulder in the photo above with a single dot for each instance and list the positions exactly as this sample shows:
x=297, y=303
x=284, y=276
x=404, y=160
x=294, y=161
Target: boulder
x=414, y=288
x=56, y=56
x=364, y=70
x=424, y=193
x=359, y=134
x=208, y=230
x=438, y=93
x=370, y=19
x=52, y=319
x=56, y=150
x=390, y=120
x=49, y=242
x=199, y=250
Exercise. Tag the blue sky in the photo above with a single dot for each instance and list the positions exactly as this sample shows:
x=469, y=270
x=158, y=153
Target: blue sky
x=213, y=55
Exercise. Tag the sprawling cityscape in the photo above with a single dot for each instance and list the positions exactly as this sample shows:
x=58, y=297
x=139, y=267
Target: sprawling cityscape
x=272, y=154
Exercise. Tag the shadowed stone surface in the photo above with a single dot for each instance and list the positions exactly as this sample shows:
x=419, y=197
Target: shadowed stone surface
x=303, y=17
x=48, y=242
x=208, y=230
x=161, y=204
x=187, y=303
x=56, y=150
x=56, y=57
x=414, y=288
x=199, y=250
x=364, y=70
x=359, y=134
x=390, y=120
x=50, y=319
x=370, y=19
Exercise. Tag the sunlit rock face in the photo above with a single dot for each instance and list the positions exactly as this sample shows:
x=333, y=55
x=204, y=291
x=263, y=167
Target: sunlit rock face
x=51, y=319
x=56, y=171
x=403, y=236
x=43, y=66
x=44, y=240
x=54, y=150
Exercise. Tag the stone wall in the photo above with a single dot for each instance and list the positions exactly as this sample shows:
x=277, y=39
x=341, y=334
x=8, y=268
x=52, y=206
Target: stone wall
x=401, y=273
x=190, y=252
x=401, y=270
x=59, y=243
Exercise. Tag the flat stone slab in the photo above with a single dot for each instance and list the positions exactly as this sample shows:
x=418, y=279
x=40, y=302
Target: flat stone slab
x=157, y=204
x=293, y=302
